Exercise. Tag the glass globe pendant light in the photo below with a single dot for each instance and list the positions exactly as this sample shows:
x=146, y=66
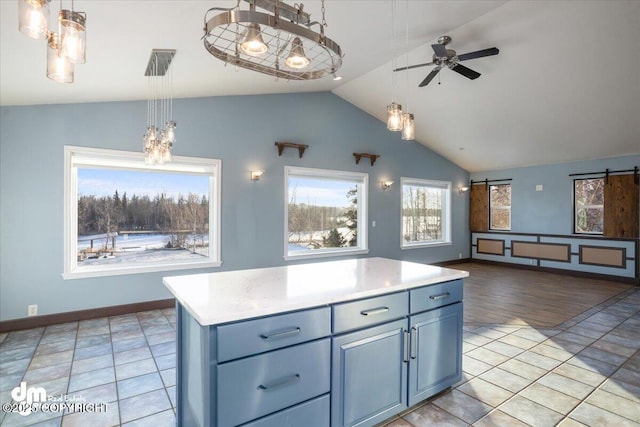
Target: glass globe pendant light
x=33, y=18
x=59, y=68
x=73, y=36
x=408, y=127
x=394, y=117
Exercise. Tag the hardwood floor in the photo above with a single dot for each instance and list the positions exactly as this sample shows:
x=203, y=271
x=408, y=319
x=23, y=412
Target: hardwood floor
x=504, y=295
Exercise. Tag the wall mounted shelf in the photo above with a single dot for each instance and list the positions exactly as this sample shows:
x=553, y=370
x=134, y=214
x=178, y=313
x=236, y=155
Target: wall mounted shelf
x=282, y=145
x=371, y=157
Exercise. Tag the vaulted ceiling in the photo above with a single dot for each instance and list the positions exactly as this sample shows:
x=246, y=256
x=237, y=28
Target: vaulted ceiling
x=565, y=86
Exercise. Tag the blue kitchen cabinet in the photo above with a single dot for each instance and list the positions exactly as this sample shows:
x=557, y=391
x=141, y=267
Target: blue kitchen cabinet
x=369, y=380
x=436, y=351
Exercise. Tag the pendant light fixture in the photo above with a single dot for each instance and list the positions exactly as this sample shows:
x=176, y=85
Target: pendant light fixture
x=33, y=18
x=73, y=35
x=297, y=59
x=281, y=42
x=253, y=44
x=160, y=136
x=394, y=117
x=408, y=123
x=65, y=47
x=59, y=68
x=394, y=110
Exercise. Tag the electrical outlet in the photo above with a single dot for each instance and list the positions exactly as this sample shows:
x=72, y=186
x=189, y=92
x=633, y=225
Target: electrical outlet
x=460, y=255
x=32, y=310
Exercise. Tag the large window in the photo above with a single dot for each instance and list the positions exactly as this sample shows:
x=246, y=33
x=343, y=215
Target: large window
x=500, y=207
x=325, y=212
x=122, y=216
x=426, y=213
x=588, y=196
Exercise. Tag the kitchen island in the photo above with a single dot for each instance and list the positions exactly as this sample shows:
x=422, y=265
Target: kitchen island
x=339, y=343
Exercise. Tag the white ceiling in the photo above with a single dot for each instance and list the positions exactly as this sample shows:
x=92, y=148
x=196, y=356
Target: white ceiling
x=565, y=86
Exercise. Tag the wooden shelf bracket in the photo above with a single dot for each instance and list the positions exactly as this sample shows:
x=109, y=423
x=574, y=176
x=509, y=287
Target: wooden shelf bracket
x=282, y=145
x=371, y=157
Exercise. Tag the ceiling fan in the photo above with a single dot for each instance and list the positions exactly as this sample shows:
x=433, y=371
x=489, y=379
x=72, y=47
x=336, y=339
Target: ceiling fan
x=448, y=58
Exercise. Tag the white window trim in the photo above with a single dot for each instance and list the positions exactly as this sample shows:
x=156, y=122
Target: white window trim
x=446, y=232
x=363, y=207
x=74, y=156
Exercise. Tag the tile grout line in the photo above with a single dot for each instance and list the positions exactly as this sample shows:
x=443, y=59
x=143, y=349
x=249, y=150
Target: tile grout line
x=115, y=376
x=627, y=293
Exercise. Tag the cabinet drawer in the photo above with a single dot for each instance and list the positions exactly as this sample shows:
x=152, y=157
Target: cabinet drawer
x=260, y=385
x=435, y=296
x=370, y=311
x=314, y=413
x=257, y=336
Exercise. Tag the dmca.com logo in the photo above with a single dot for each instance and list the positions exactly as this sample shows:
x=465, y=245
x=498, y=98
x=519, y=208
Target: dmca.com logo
x=26, y=397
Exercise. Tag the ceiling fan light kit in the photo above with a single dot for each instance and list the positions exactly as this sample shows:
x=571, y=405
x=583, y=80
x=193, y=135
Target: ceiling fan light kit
x=448, y=58
x=279, y=42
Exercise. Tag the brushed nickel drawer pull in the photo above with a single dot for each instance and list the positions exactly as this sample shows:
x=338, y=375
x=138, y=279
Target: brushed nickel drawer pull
x=373, y=311
x=437, y=297
x=280, y=383
x=407, y=340
x=283, y=334
x=414, y=342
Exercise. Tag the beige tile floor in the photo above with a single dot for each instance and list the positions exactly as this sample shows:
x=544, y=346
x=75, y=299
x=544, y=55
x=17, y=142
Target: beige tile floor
x=585, y=371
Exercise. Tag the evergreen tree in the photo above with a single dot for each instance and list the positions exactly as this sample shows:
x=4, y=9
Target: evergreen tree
x=333, y=240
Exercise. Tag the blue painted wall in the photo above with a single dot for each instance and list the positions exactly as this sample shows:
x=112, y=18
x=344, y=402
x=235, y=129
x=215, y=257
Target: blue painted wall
x=549, y=211
x=239, y=130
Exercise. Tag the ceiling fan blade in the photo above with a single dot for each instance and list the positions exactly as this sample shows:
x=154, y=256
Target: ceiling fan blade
x=413, y=66
x=479, y=54
x=440, y=50
x=467, y=72
x=430, y=77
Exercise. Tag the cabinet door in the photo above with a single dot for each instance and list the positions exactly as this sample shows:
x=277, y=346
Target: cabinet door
x=435, y=351
x=368, y=380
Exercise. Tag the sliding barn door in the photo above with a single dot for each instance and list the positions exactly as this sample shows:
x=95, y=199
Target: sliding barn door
x=621, y=197
x=479, y=208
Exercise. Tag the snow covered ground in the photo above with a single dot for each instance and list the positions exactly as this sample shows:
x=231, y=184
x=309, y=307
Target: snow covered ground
x=140, y=248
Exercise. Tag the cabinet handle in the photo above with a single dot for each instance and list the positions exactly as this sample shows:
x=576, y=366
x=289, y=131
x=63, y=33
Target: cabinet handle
x=373, y=311
x=280, y=383
x=414, y=342
x=407, y=340
x=282, y=334
x=437, y=297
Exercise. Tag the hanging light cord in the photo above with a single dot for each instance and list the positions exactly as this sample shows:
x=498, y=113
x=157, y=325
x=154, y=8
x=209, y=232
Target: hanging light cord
x=393, y=52
x=407, y=53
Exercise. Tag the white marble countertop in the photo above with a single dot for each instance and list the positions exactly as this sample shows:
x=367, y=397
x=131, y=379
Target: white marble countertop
x=228, y=296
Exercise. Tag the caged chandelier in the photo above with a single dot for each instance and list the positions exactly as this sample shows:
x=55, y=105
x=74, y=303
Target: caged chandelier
x=65, y=47
x=280, y=42
x=161, y=129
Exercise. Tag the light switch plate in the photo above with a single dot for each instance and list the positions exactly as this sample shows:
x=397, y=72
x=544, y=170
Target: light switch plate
x=539, y=187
